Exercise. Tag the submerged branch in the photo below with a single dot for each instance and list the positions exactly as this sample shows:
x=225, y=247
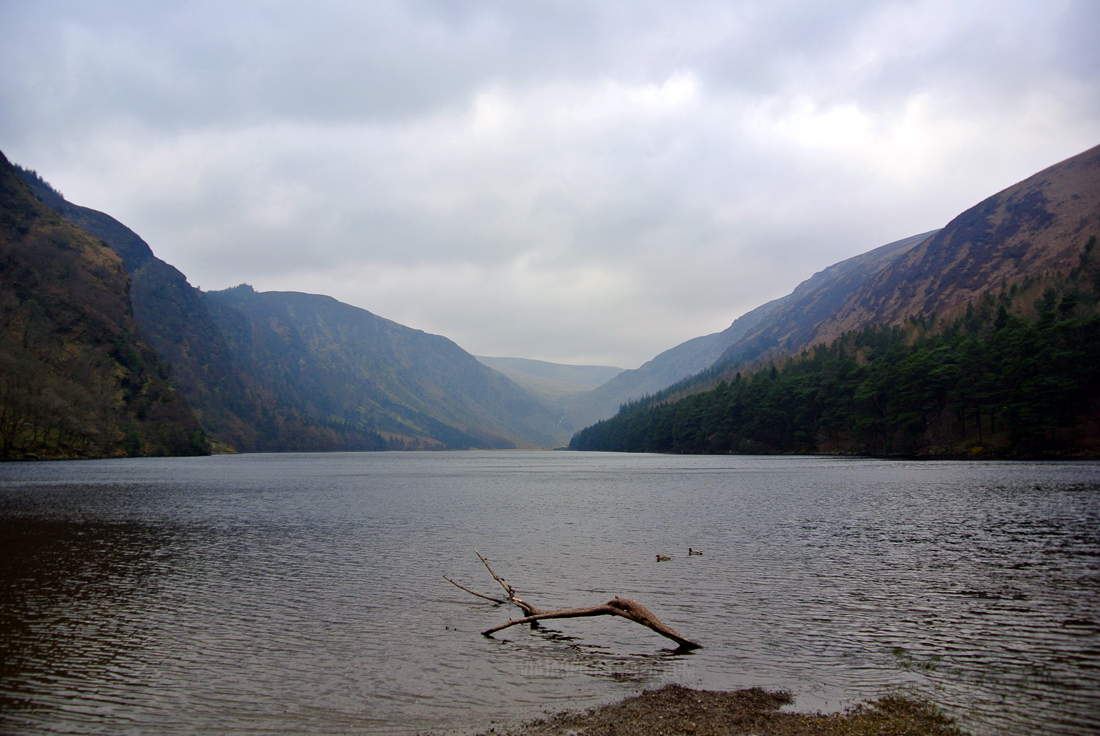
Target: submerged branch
x=618, y=607
x=623, y=607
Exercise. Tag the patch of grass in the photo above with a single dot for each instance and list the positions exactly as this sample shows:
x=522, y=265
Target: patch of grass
x=678, y=710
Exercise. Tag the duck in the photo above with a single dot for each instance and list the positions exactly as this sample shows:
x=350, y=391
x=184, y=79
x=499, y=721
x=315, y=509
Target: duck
x=663, y=559
x=693, y=552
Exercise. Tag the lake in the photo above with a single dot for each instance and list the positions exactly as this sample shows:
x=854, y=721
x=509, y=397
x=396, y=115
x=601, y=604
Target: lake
x=304, y=593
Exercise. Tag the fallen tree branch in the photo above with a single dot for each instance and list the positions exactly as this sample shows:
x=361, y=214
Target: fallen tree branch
x=479, y=595
x=623, y=607
x=527, y=607
x=618, y=607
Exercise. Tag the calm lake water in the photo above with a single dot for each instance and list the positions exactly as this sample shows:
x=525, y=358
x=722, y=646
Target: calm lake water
x=305, y=593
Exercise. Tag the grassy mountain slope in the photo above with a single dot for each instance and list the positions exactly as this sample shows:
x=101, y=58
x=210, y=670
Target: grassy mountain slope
x=1033, y=228
x=77, y=379
x=345, y=365
x=794, y=322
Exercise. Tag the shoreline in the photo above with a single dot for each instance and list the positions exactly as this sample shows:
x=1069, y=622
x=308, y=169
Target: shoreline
x=675, y=709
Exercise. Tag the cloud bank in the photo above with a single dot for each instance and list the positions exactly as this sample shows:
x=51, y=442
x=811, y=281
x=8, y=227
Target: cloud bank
x=565, y=181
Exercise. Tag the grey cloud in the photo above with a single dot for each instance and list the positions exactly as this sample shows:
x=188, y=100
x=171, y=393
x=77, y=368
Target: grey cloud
x=557, y=180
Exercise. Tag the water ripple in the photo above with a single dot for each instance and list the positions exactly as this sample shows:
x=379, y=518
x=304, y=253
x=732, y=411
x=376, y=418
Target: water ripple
x=304, y=593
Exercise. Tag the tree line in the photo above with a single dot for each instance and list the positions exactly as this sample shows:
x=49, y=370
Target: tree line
x=991, y=382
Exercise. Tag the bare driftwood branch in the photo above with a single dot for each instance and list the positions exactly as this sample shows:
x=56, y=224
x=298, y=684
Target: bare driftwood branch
x=498, y=601
x=618, y=607
x=623, y=607
x=524, y=605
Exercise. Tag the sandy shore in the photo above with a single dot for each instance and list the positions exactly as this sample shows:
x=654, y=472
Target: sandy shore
x=679, y=710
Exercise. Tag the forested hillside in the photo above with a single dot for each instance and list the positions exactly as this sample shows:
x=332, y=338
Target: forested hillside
x=76, y=378
x=780, y=323
x=980, y=337
x=1016, y=376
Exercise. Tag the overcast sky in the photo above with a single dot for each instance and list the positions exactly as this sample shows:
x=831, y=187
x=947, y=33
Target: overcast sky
x=567, y=180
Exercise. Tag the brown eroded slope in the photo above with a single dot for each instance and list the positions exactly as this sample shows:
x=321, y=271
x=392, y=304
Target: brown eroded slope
x=1035, y=227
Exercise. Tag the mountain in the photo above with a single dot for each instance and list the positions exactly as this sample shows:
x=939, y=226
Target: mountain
x=1034, y=228
x=779, y=322
x=671, y=366
x=77, y=378
x=551, y=382
x=173, y=316
x=794, y=321
x=348, y=367
x=986, y=332
x=285, y=371
x=1029, y=229
x=294, y=372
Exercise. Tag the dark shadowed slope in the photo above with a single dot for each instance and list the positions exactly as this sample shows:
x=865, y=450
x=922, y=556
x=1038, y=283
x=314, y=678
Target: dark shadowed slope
x=77, y=379
x=343, y=364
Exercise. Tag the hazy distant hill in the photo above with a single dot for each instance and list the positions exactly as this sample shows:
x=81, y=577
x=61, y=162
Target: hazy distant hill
x=552, y=382
x=671, y=366
x=76, y=378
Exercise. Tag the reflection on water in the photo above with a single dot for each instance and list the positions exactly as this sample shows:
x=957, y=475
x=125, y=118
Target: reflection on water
x=304, y=593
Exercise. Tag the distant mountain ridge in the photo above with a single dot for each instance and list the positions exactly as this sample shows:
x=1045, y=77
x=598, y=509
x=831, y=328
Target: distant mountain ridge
x=667, y=368
x=552, y=383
